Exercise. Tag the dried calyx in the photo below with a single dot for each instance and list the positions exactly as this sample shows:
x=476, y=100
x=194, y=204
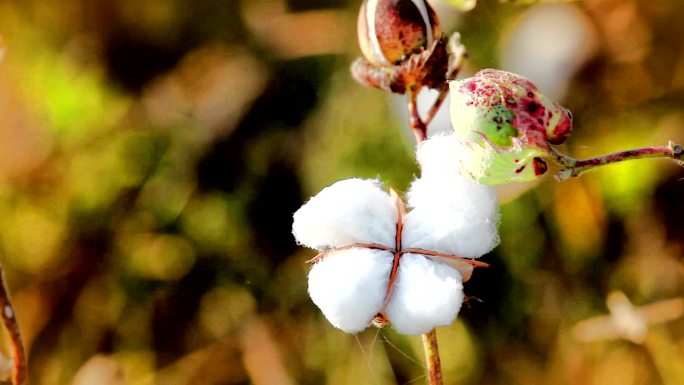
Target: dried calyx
x=403, y=46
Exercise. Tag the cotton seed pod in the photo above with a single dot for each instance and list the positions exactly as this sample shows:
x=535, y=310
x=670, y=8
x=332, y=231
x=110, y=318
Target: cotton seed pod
x=511, y=121
x=391, y=30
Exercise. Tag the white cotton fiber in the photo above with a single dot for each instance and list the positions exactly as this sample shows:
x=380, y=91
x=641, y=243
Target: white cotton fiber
x=350, y=211
x=349, y=286
x=426, y=294
x=442, y=155
x=452, y=215
x=450, y=212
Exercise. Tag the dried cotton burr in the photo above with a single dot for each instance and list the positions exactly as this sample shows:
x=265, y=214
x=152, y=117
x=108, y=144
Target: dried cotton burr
x=414, y=279
x=391, y=30
x=404, y=50
x=403, y=47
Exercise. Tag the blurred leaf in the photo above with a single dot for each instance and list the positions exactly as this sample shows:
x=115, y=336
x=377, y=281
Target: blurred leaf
x=217, y=224
x=157, y=256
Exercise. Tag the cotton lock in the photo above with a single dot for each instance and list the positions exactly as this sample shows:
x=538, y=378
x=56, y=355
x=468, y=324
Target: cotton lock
x=449, y=214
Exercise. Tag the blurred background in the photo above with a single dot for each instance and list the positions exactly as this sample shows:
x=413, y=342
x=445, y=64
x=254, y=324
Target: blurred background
x=152, y=154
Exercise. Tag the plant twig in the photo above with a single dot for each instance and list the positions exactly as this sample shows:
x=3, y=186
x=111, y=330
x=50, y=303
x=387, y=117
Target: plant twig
x=431, y=350
x=20, y=373
x=576, y=167
x=415, y=122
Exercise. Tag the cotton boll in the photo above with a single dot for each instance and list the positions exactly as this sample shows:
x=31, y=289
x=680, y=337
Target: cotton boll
x=349, y=286
x=426, y=294
x=453, y=215
x=442, y=155
x=457, y=235
x=457, y=191
x=350, y=211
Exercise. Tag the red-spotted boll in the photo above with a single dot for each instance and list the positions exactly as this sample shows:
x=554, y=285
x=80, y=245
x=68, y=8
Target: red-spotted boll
x=509, y=126
x=391, y=30
x=403, y=47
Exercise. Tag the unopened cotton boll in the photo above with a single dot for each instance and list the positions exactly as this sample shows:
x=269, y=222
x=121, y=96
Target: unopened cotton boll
x=349, y=286
x=425, y=295
x=347, y=212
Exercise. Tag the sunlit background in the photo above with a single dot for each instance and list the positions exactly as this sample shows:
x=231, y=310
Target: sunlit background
x=152, y=154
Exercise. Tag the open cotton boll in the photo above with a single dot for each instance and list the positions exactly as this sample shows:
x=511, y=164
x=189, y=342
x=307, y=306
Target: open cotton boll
x=347, y=212
x=426, y=294
x=455, y=190
x=442, y=155
x=349, y=286
x=452, y=234
x=452, y=215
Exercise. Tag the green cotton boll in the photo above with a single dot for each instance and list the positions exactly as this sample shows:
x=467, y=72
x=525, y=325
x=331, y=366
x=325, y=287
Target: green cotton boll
x=490, y=164
x=509, y=125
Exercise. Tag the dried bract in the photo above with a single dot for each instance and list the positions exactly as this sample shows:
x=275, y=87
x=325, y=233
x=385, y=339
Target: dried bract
x=403, y=47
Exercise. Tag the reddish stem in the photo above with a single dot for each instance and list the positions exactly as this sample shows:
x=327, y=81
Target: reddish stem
x=415, y=122
x=20, y=373
x=575, y=167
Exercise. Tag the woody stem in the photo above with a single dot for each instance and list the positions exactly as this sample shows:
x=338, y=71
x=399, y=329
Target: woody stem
x=417, y=124
x=20, y=372
x=576, y=167
x=431, y=350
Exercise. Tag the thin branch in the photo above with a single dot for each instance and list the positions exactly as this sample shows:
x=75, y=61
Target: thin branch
x=20, y=373
x=415, y=122
x=576, y=167
x=431, y=350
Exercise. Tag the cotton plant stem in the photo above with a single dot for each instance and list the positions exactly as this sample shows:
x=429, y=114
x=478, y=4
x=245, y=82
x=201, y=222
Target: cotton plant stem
x=430, y=346
x=416, y=123
x=20, y=371
x=431, y=350
x=576, y=167
x=419, y=125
